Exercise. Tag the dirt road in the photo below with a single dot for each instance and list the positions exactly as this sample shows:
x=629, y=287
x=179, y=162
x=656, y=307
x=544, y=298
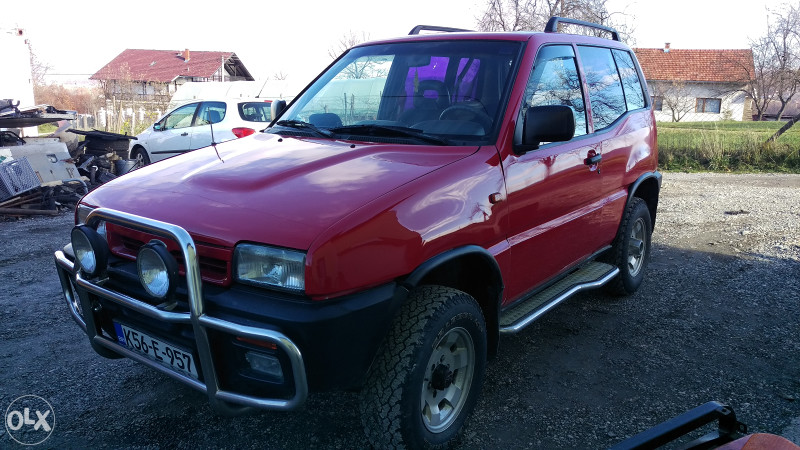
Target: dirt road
x=717, y=318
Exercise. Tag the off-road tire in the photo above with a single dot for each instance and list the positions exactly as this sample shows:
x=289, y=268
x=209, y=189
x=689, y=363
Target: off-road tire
x=631, y=249
x=399, y=384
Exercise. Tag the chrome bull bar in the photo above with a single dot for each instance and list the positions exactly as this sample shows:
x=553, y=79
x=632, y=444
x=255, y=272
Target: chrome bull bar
x=227, y=402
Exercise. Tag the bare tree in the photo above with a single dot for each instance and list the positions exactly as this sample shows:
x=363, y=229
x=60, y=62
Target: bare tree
x=532, y=15
x=368, y=67
x=39, y=68
x=280, y=76
x=782, y=46
x=785, y=42
x=676, y=97
x=346, y=41
x=122, y=92
x=511, y=15
x=764, y=80
x=82, y=100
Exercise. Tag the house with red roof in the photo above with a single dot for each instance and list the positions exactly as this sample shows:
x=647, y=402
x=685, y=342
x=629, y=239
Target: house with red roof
x=147, y=74
x=698, y=85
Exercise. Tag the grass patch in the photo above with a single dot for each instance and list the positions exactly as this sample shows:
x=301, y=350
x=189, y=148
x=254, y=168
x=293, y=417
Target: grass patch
x=728, y=147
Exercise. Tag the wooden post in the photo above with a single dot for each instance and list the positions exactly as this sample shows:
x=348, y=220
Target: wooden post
x=28, y=212
x=133, y=119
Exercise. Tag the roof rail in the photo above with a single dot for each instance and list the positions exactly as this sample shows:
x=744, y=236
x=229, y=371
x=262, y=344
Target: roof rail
x=552, y=26
x=419, y=28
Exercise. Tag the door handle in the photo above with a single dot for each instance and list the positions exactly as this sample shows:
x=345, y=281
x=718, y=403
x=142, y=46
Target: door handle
x=184, y=134
x=592, y=160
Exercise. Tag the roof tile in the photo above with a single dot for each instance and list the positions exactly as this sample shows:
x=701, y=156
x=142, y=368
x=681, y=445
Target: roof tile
x=161, y=65
x=696, y=65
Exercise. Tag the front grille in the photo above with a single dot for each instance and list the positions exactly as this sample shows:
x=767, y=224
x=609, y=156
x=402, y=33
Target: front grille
x=215, y=261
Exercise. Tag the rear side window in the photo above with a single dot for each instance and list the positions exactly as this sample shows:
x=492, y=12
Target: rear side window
x=631, y=85
x=255, y=111
x=210, y=112
x=605, y=87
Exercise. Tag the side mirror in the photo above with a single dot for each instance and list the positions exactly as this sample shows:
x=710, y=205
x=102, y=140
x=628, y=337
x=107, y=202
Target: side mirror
x=549, y=123
x=157, y=126
x=277, y=108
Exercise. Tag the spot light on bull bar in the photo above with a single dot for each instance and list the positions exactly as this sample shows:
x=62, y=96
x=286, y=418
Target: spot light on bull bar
x=158, y=270
x=91, y=250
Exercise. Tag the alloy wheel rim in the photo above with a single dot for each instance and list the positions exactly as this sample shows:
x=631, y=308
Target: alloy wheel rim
x=637, y=247
x=448, y=379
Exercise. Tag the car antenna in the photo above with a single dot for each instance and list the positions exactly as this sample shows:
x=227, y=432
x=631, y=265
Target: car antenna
x=214, y=144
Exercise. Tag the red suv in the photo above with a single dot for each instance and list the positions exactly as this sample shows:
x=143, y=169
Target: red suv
x=418, y=199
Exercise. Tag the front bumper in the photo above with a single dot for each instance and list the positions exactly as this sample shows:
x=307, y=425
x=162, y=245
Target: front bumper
x=88, y=300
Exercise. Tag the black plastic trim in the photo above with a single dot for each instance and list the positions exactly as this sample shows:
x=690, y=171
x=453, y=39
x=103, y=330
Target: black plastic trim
x=338, y=337
x=652, y=204
x=552, y=26
x=419, y=28
x=656, y=174
x=414, y=279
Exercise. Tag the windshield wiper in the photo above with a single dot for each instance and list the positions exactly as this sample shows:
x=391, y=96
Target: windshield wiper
x=389, y=131
x=306, y=126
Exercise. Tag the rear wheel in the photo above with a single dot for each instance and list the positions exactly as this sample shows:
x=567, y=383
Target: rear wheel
x=631, y=249
x=429, y=372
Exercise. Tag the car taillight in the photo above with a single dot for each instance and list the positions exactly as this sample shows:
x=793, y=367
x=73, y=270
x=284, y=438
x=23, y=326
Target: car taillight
x=242, y=132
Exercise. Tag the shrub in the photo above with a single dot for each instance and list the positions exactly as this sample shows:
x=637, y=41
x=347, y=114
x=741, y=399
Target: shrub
x=728, y=147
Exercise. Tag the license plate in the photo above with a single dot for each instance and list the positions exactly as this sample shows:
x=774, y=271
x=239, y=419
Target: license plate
x=156, y=349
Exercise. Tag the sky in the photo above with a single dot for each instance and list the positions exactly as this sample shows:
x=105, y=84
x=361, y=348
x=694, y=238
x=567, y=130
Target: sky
x=294, y=37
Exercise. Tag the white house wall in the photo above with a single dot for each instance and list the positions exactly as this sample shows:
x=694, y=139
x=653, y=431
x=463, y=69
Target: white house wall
x=733, y=106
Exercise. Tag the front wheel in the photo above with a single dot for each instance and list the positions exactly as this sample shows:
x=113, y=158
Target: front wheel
x=631, y=249
x=140, y=156
x=429, y=372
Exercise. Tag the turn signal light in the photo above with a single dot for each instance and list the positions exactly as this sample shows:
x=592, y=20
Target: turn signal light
x=269, y=345
x=242, y=132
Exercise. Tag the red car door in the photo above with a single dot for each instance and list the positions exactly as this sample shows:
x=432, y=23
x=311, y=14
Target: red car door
x=555, y=198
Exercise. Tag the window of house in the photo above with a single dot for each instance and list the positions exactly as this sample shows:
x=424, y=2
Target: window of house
x=657, y=102
x=708, y=105
x=555, y=81
x=605, y=87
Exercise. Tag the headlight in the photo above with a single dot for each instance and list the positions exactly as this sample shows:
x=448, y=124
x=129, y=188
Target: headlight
x=91, y=250
x=158, y=270
x=270, y=267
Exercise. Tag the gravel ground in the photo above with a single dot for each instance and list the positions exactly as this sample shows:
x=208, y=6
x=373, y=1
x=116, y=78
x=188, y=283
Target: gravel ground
x=716, y=319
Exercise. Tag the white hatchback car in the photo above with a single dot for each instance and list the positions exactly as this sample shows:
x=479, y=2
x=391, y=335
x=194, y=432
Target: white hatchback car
x=189, y=126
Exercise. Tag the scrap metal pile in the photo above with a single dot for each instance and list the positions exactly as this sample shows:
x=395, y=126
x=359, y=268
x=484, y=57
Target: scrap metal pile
x=42, y=174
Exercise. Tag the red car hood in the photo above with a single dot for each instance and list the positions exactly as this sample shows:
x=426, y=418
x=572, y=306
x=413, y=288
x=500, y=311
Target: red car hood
x=266, y=188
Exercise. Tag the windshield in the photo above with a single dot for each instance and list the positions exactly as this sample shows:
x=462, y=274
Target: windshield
x=446, y=92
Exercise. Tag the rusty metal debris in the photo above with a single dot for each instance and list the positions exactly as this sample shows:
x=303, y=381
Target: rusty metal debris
x=102, y=156
x=39, y=175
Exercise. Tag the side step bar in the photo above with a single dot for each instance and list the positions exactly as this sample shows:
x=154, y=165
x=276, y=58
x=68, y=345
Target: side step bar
x=589, y=276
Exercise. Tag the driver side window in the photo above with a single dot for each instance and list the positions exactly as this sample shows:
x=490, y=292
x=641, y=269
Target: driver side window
x=555, y=81
x=180, y=118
